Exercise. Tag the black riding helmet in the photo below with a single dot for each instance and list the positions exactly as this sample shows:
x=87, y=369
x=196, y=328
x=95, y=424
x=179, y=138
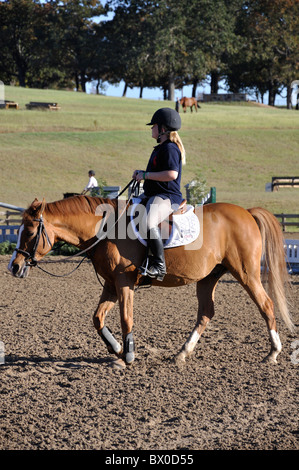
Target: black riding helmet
x=166, y=117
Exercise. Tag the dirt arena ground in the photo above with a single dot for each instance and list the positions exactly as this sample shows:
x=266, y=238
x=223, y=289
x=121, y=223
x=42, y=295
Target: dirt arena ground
x=59, y=390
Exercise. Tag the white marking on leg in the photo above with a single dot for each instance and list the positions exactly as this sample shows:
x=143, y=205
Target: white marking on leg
x=192, y=341
x=9, y=267
x=275, y=340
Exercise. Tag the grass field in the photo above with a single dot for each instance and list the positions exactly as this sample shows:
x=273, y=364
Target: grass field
x=237, y=148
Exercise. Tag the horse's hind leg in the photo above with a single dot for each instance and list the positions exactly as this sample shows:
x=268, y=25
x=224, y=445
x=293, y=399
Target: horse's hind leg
x=249, y=277
x=205, y=295
x=265, y=305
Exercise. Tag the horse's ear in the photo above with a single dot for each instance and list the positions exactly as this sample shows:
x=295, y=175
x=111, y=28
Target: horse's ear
x=41, y=209
x=43, y=204
x=35, y=203
x=37, y=207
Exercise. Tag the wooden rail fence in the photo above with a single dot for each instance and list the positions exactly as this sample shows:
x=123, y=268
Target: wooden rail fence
x=288, y=220
x=284, y=182
x=10, y=221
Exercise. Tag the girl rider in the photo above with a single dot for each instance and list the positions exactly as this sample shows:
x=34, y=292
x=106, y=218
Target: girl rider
x=162, y=181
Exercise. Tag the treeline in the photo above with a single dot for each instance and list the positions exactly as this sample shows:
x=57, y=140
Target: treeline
x=253, y=45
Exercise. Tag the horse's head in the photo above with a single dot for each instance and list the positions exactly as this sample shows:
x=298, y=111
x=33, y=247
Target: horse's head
x=34, y=240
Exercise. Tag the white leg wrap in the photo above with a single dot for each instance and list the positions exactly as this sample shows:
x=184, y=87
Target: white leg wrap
x=192, y=341
x=275, y=340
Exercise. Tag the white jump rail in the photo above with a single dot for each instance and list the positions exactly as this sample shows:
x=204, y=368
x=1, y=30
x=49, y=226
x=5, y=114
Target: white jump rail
x=14, y=208
x=9, y=232
x=292, y=255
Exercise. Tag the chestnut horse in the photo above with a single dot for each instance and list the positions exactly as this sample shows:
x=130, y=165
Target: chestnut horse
x=235, y=240
x=189, y=103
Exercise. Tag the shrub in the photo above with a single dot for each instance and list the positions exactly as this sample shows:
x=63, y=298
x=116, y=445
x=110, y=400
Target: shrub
x=197, y=189
x=7, y=248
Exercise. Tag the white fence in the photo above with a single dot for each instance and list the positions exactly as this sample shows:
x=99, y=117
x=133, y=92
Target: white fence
x=9, y=232
x=292, y=255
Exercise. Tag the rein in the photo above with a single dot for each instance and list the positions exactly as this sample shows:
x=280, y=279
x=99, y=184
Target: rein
x=30, y=259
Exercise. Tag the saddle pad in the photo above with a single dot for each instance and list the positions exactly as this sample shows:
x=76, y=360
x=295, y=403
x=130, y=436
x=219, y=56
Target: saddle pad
x=185, y=228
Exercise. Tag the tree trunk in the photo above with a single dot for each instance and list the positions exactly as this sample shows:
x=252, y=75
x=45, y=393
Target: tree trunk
x=77, y=81
x=289, y=97
x=195, y=83
x=22, y=69
x=215, y=81
x=141, y=91
x=272, y=92
x=21, y=77
x=125, y=89
x=171, y=88
x=83, y=81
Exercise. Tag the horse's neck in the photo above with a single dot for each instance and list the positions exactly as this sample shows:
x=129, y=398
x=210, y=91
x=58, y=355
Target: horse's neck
x=76, y=228
x=72, y=228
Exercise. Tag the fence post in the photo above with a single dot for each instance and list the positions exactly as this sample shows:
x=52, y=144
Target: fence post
x=213, y=194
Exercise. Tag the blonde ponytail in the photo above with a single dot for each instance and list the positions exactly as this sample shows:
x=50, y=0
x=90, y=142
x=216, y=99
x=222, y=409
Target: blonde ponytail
x=175, y=138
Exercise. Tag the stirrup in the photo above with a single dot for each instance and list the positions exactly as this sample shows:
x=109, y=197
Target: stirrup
x=159, y=275
x=143, y=268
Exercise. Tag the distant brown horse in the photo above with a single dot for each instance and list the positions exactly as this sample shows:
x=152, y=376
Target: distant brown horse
x=233, y=240
x=189, y=103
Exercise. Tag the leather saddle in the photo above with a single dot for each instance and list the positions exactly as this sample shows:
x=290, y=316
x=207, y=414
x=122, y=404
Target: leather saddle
x=166, y=226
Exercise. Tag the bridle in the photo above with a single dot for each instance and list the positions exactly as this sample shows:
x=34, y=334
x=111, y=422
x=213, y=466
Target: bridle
x=30, y=259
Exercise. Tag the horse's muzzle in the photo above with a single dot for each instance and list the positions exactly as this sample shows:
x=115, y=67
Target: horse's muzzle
x=20, y=271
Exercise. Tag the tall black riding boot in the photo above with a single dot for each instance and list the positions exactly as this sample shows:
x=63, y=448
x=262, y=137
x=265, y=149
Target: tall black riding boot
x=157, y=267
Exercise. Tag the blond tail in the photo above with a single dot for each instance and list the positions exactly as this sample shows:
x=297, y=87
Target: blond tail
x=273, y=261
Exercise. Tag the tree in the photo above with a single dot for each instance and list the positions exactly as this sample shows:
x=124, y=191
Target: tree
x=269, y=57
x=177, y=43
x=76, y=36
x=150, y=39
x=127, y=38
x=19, y=42
x=30, y=43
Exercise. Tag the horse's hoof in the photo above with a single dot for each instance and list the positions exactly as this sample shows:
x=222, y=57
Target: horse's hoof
x=129, y=358
x=118, y=364
x=180, y=358
x=270, y=359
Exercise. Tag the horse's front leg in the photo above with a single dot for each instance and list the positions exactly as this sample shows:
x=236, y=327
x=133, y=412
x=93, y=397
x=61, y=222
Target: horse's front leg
x=126, y=297
x=107, y=301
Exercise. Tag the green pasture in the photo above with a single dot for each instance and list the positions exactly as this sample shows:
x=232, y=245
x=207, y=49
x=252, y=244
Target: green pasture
x=237, y=148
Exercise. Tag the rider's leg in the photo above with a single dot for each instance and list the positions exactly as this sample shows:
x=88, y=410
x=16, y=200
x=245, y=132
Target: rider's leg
x=158, y=209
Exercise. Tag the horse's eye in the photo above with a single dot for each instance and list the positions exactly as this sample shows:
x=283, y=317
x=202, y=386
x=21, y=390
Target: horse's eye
x=29, y=233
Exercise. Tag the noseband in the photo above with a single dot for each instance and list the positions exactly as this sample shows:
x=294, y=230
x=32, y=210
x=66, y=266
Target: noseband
x=30, y=259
